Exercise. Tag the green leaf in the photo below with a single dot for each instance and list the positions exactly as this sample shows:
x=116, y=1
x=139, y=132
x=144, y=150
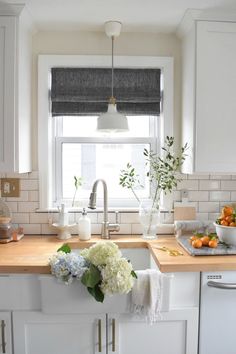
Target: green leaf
x=134, y=274
x=96, y=293
x=64, y=248
x=91, y=277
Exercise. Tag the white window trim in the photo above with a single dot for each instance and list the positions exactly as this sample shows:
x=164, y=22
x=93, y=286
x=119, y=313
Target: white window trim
x=45, y=126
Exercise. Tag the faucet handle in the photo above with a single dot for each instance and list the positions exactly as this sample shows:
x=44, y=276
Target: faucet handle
x=117, y=216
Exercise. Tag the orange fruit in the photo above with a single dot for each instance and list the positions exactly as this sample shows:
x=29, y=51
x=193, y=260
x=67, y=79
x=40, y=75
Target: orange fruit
x=197, y=243
x=224, y=223
x=205, y=240
x=213, y=243
x=229, y=219
x=227, y=210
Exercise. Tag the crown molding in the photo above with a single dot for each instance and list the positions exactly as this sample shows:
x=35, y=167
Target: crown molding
x=192, y=15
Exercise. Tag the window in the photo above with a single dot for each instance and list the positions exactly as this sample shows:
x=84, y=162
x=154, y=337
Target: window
x=69, y=145
x=81, y=151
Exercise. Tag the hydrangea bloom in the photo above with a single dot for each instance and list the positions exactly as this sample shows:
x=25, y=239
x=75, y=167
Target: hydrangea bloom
x=67, y=266
x=117, y=277
x=100, y=253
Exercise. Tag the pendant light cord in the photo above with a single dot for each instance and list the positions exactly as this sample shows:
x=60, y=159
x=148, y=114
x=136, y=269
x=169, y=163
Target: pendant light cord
x=112, y=65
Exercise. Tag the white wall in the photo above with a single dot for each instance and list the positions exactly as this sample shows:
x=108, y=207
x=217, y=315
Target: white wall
x=96, y=43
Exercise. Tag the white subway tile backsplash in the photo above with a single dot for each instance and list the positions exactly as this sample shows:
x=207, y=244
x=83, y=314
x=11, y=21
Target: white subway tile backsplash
x=39, y=218
x=222, y=204
x=125, y=229
x=31, y=229
x=136, y=229
x=96, y=229
x=29, y=185
x=33, y=175
x=129, y=218
x=13, y=206
x=48, y=229
x=33, y=196
x=228, y=185
x=188, y=184
x=200, y=196
x=207, y=193
x=19, y=218
x=27, y=207
x=233, y=196
x=208, y=207
x=202, y=216
x=219, y=196
x=193, y=176
x=24, y=197
x=213, y=216
x=220, y=177
x=209, y=185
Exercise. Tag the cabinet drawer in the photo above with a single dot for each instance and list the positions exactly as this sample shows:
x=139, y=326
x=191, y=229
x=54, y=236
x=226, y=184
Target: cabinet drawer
x=19, y=292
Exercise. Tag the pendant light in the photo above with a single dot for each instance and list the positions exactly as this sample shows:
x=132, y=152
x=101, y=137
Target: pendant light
x=112, y=120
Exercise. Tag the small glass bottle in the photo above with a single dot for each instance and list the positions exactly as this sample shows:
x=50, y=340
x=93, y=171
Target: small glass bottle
x=84, y=226
x=5, y=231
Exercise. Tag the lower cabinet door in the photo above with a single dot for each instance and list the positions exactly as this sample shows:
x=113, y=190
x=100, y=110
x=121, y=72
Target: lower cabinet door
x=38, y=333
x=175, y=333
x=5, y=333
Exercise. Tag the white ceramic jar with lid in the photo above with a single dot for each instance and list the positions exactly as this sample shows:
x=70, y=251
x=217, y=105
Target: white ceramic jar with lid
x=84, y=226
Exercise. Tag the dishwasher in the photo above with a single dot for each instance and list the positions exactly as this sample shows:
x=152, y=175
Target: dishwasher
x=217, y=332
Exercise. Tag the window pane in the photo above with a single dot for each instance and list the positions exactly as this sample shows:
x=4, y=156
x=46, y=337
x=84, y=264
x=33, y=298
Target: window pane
x=85, y=126
x=93, y=161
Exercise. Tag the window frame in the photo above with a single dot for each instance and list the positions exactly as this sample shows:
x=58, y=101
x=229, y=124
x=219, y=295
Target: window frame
x=46, y=127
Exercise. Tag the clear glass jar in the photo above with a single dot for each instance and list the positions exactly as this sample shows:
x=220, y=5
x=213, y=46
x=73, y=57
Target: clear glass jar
x=5, y=231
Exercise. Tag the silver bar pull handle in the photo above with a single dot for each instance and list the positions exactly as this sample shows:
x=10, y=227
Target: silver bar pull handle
x=3, y=325
x=218, y=285
x=117, y=216
x=113, y=333
x=99, y=335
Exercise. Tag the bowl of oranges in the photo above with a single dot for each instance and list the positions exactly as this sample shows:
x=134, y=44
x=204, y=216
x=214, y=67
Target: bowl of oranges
x=226, y=226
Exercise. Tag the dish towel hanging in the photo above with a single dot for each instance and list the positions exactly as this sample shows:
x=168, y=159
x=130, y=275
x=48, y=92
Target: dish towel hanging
x=146, y=295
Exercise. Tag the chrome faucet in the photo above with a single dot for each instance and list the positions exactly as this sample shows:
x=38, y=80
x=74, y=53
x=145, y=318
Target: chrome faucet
x=106, y=226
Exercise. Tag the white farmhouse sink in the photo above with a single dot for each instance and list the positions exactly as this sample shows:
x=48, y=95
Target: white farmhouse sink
x=61, y=299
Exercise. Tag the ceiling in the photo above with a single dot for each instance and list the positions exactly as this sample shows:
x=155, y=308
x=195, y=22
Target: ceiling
x=136, y=15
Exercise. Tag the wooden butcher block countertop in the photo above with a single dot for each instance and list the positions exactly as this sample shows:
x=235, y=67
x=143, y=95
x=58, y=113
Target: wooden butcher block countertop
x=31, y=254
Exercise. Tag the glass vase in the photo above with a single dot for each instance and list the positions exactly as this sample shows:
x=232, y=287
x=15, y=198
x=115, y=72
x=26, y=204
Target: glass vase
x=149, y=217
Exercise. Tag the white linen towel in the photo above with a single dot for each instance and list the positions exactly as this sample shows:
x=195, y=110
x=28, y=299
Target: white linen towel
x=146, y=294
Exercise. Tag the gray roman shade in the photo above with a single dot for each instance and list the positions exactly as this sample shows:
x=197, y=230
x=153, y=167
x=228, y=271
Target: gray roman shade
x=86, y=91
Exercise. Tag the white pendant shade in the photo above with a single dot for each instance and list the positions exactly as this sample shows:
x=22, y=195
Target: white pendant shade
x=112, y=121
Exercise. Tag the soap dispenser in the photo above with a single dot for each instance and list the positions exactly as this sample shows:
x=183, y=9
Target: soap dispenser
x=84, y=226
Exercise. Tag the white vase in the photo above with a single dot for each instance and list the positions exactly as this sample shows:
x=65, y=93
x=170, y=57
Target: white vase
x=149, y=218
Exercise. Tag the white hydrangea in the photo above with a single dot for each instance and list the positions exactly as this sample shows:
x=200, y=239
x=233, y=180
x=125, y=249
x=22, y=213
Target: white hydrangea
x=117, y=277
x=100, y=253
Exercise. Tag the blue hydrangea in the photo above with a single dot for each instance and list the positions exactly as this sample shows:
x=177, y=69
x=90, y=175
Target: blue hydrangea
x=68, y=266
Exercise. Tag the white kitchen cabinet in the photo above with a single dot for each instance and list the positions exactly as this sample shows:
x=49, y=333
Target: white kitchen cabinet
x=37, y=333
x=5, y=333
x=175, y=333
x=15, y=89
x=209, y=105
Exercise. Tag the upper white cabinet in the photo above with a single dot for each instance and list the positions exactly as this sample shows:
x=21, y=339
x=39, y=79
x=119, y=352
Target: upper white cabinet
x=209, y=104
x=15, y=89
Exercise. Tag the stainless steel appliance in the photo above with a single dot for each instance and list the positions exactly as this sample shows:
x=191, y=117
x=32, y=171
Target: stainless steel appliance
x=217, y=333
